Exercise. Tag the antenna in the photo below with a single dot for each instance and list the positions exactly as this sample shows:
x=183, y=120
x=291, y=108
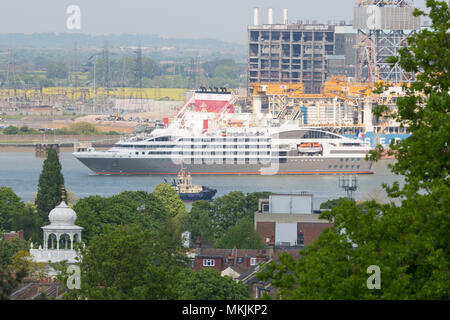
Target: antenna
x=193, y=71
x=349, y=183
x=106, y=72
x=138, y=75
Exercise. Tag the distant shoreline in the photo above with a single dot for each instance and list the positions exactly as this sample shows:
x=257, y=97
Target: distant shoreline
x=30, y=148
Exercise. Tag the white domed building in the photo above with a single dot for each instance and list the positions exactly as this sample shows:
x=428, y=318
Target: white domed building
x=59, y=236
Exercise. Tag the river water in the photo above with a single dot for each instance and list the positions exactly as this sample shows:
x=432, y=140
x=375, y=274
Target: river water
x=20, y=170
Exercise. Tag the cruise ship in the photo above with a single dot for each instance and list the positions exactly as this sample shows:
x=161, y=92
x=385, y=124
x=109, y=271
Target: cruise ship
x=284, y=149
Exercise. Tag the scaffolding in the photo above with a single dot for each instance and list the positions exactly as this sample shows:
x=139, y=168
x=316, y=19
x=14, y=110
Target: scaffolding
x=341, y=105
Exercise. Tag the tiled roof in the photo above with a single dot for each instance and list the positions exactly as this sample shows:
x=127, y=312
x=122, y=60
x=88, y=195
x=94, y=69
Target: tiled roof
x=241, y=253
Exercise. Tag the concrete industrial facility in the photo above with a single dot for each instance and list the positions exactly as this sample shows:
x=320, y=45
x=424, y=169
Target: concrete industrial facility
x=311, y=52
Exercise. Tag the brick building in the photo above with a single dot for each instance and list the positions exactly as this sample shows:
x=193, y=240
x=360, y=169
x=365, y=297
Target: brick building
x=220, y=259
x=288, y=220
x=9, y=236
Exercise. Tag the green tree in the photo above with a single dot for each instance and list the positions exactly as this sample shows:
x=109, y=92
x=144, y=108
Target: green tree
x=26, y=130
x=199, y=222
x=82, y=128
x=208, y=284
x=57, y=70
x=170, y=200
x=130, y=262
x=21, y=262
x=95, y=213
x=228, y=209
x=50, y=185
x=10, y=205
x=211, y=221
x=11, y=130
x=30, y=222
x=330, y=204
x=408, y=242
x=9, y=248
x=9, y=282
x=252, y=202
x=243, y=236
x=15, y=215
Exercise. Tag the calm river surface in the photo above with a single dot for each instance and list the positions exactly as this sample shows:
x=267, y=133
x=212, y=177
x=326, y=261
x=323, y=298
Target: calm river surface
x=20, y=170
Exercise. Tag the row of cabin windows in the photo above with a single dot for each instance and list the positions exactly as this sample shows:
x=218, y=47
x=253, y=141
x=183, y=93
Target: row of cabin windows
x=319, y=135
x=351, y=144
x=219, y=146
x=212, y=153
x=153, y=152
x=342, y=166
x=224, y=139
x=227, y=160
x=218, y=153
x=350, y=159
x=140, y=146
x=192, y=146
x=159, y=139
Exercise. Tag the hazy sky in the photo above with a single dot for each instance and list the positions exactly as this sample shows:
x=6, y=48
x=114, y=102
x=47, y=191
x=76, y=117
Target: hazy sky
x=225, y=20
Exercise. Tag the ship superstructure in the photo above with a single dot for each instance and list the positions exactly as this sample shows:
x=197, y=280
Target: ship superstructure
x=233, y=144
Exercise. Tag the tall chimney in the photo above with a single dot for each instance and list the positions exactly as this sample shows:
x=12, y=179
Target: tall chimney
x=285, y=16
x=270, y=16
x=255, y=16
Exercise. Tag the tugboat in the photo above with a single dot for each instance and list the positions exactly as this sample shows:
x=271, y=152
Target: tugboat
x=188, y=191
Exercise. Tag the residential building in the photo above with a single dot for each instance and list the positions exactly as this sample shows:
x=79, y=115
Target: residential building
x=9, y=236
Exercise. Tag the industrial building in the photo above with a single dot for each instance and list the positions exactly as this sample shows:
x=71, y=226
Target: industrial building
x=299, y=52
x=311, y=52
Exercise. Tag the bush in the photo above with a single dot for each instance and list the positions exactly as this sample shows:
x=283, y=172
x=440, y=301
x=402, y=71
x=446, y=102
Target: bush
x=11, y=130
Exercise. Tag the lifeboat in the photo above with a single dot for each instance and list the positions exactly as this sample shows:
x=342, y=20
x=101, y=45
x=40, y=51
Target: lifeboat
x=310, y=147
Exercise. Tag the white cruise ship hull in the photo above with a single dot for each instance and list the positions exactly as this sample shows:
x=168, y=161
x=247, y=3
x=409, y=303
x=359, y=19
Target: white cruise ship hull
x=310, y=165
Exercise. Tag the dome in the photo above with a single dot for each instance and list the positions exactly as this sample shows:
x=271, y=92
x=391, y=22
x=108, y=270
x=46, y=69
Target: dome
x=62, y=215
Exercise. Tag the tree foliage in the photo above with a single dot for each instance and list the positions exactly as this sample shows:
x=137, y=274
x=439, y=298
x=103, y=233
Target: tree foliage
x=171, y=201
x=211, y=221
x=407, y=241
x=9, y=248
x=130, y=262
x=50, y=185
x=96, y=213
x=199, y=222
x=15, y=215
x=11, y=130
x=21, y=262
x=9, y=282
x=10, y=205
x=208, y=284
x=57, y=70
x=79, y=128
x=330, y=204
x=243, y=236
x=28, y=220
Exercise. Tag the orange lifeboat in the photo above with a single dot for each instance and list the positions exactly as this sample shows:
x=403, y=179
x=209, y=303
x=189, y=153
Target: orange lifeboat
x=310, y=147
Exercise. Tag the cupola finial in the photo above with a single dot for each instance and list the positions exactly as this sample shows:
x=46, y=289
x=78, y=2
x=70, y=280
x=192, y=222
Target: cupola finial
x=63, y=193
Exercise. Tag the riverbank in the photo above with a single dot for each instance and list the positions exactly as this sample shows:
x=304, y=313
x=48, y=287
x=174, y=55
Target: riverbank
x=65, y=141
